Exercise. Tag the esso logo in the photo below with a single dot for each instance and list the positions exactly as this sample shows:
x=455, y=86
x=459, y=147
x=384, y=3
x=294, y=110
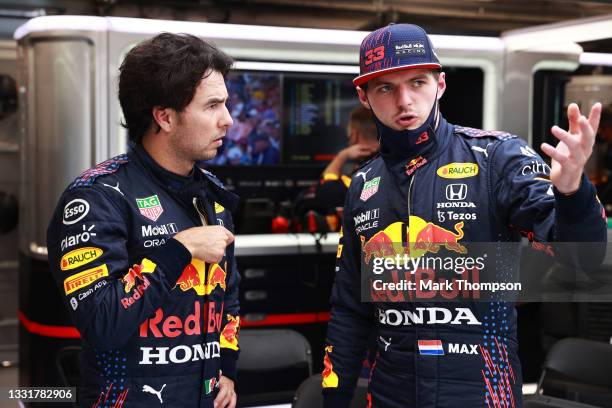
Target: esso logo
x=75, y=211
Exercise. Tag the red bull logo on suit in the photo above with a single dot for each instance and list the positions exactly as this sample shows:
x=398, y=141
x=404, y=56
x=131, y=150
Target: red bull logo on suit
x=194, y=275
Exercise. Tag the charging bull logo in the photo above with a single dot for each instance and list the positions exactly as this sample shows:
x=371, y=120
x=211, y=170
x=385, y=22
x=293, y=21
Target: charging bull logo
x=385, y=243
x=229, y=334
x=193, y=277
x=428, y=237
x=330, y=378
x=135, y=272
x=415, y=239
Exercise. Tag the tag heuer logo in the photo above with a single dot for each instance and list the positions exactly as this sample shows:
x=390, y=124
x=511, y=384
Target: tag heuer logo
x=369, y=188
x=150, y=207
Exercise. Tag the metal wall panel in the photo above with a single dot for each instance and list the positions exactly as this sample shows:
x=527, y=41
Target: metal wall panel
x=59, y=134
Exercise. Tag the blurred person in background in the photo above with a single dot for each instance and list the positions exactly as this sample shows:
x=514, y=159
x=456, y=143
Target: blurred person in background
x=362, y=140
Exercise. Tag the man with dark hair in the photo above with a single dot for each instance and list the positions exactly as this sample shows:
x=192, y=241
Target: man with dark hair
x=141, y=245
x=362, y=145
x=432, y=353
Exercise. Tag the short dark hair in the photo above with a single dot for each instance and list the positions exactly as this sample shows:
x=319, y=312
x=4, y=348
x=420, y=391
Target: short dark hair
x=164, y=71
x=361, y=119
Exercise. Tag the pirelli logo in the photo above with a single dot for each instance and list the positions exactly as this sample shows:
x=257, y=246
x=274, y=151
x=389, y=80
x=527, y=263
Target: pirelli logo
x=85, y=278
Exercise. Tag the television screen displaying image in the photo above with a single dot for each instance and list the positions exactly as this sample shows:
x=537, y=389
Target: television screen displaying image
x=315, y=117
x=285, y=118
x=255, y=105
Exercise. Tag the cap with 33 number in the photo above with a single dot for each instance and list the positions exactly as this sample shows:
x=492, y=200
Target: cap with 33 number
x=394, y=48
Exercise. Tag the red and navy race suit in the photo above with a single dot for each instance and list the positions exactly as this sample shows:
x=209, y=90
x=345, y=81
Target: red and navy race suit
x=157, y=326
x=508, y=185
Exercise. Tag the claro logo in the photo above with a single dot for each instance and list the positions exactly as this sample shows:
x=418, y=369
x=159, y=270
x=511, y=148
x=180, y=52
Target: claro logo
x=458, y=170
x=79, y=257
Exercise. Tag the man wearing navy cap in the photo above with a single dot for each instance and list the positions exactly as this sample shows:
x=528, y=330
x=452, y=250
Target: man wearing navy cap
x=444, y=354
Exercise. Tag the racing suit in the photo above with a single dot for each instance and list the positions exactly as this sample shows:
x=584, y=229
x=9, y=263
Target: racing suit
x=158, y=327
x=506, y=193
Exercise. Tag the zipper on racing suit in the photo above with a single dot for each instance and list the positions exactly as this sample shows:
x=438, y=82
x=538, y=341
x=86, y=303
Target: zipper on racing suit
x=202, y=214
x=416, y=329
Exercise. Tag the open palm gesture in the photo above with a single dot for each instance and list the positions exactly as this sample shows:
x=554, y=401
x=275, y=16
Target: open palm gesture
x=574, y=148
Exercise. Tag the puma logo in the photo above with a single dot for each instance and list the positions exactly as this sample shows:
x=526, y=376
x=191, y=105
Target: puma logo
x=116, y=188
x=481, y=150
x=363, y=174
x=150, y=390
x=387, y=343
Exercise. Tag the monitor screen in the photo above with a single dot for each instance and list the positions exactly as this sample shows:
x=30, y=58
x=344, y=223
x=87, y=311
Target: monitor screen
x=316, y=114
x=285, y=118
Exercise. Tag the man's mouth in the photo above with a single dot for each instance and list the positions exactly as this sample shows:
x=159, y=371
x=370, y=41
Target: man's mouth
x=406, y=120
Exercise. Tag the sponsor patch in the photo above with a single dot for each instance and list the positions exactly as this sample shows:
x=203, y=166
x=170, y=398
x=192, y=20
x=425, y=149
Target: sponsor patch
x=455, y=192
x=415, y=164
x=535, y=167
x=150, y=207
x=458, y=170
x=229, y=334
x=79, y=238
x=75, y=211
x=409, y=48
x=85, y=278
x=79, y=257
x=154, y=230
x=218, y=208
x=369, y=189
x=134, y=274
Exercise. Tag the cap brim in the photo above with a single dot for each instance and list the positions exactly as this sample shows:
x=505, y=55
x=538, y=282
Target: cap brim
x=362, y=79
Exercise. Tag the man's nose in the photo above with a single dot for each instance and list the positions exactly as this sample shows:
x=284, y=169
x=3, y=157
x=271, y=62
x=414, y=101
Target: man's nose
x=403, y=97
x=226, y=120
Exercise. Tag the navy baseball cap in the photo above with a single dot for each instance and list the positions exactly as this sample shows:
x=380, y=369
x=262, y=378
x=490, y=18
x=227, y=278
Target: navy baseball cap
x=394, y=48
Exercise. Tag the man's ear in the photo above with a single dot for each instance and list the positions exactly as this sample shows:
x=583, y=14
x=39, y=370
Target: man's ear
x=441, y=84
x=361, y=93
x=163, y=117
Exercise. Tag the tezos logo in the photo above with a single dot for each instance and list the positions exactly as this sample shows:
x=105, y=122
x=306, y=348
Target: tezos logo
x=75, y=211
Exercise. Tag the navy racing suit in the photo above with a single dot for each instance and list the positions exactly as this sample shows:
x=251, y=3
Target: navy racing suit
x=505, y=193
x=157, y=326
